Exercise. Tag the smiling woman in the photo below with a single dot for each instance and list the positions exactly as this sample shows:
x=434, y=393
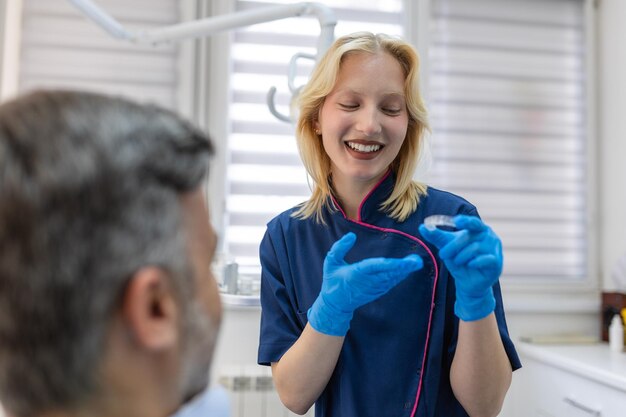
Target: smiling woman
x=368, y=97
x=354, y=289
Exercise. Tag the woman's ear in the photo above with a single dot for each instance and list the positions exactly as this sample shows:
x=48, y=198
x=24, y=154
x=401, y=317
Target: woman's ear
x=316, y=127
x=150, y=309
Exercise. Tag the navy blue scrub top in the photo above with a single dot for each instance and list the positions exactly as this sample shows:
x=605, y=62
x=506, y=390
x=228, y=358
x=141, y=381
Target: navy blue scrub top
x=396, y=357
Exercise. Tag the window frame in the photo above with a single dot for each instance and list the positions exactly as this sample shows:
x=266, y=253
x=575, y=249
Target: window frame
x=543, y=295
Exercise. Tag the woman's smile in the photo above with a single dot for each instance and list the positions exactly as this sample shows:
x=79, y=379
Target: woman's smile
x=364, y=149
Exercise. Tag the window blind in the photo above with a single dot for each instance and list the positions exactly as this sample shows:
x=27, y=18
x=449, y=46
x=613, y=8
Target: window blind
x=61, y=48
x=264, y=173
x=508, y=111
x=507, y=102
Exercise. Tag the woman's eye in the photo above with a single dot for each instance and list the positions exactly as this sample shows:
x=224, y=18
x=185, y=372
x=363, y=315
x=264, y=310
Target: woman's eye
x=392, y=111
x=348, y=106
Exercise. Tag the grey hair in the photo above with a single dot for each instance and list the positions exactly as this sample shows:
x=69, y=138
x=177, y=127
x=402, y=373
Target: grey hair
x=89, y=193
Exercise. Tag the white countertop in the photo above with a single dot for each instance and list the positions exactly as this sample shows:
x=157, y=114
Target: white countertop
x=235, y=300
x=592, y=361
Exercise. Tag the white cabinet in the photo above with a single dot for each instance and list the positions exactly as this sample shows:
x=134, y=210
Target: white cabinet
x=570, y=381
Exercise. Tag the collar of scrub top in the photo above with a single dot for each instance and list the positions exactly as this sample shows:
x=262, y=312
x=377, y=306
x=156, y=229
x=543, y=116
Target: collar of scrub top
x=369, y=209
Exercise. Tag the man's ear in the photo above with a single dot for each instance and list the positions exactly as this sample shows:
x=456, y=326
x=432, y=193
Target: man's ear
x=150, y=309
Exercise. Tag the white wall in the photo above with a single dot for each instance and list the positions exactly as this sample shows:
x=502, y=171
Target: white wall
x=612, y=126
x=238, y=340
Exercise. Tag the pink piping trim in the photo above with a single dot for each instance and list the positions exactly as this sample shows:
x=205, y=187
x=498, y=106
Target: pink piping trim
x=432, y=301
x=367, y=196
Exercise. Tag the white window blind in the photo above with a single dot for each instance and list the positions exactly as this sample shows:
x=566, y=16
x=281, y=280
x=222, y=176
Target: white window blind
x=62, y=49
x=507, y=101
x=264, y=173
x=508, y=111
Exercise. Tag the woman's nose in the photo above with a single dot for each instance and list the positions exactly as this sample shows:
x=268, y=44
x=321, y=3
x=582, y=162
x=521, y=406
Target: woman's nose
x=368, y=122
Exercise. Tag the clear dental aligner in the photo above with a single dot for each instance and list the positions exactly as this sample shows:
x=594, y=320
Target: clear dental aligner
x=437, y=220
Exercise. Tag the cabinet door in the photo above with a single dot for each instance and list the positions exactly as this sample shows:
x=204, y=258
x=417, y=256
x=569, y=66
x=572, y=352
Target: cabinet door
x=553, y=392
x=536, y=395
x=593, y=400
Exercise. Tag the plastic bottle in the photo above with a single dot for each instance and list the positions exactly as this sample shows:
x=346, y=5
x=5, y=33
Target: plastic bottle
x=616, y=334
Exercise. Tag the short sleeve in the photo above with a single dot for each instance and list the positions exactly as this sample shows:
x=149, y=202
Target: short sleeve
x=280, y=326
x=504, y=331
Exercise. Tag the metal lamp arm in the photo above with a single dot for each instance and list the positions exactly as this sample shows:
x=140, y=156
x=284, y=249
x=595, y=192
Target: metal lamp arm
x=211, y=25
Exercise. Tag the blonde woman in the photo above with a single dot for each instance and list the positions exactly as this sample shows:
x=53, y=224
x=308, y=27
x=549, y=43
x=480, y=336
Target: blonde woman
x=366, y=312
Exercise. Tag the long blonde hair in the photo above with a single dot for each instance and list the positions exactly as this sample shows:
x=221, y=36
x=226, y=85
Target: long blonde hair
x=406, y=192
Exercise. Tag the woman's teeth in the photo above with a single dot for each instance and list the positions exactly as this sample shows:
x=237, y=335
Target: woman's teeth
x=363, y=148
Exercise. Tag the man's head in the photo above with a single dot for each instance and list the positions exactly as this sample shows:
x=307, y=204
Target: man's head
x=105, y=252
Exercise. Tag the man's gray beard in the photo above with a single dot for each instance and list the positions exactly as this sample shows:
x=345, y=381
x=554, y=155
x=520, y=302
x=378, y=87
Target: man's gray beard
x=199, y=337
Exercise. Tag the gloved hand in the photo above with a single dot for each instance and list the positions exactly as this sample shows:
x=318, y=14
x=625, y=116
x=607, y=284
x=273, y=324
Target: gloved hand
x=473, y=255
x=345, y=287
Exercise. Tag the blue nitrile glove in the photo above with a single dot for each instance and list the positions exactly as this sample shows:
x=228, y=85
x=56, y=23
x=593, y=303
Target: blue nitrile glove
x=473, y=255
x=346, y=287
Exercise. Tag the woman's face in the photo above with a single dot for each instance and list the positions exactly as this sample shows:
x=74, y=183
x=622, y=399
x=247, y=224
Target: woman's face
x=364, y=119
